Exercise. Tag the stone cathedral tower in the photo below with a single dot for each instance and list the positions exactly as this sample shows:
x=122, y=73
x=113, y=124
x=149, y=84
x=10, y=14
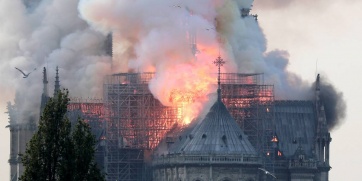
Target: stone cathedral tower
x=22, y=127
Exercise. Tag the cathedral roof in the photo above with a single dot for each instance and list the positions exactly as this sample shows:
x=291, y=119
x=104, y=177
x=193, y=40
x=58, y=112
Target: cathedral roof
x=217, y=133
x=295, y=126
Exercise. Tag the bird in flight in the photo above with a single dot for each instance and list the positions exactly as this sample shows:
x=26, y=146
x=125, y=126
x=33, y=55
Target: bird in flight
x=267, y=172
x=176, y=6
x=24, y=74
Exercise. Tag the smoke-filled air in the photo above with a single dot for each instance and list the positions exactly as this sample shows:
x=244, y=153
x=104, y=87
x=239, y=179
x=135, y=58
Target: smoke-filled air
x=178, y=40
x=48, y=33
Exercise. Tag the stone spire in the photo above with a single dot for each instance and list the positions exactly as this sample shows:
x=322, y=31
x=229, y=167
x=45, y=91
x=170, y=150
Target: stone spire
x=321, y=116
x=323, y=137
x=45, y=95
x=317, y=93
x=57, y=83
x=45, y=83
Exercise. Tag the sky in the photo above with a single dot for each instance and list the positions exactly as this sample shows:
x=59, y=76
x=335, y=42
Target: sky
x=324, y=37
x=321, y=37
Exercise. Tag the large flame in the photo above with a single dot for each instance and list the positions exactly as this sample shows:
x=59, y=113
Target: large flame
x=188, y=96
x=178, y=40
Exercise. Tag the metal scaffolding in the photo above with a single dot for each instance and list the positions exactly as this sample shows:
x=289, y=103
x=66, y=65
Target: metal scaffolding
x=251, y=103
x=92, y=112
x=136, y=121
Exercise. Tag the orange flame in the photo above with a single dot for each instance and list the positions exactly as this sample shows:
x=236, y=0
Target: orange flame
x=191, y=95
x=187, y=85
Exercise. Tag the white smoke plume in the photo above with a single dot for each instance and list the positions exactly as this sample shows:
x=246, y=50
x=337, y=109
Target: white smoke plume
x=154, y=37
x=149, y=36
x=48, y=33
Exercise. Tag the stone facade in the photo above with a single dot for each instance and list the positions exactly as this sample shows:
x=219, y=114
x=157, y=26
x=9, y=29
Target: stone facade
x=205, y=173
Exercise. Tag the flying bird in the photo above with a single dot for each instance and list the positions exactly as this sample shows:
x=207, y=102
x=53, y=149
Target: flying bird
x=267, y=172
x=176, y=6
x=25, y=75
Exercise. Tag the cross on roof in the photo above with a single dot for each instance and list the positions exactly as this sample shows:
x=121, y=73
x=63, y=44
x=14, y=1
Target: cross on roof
x=219, y=62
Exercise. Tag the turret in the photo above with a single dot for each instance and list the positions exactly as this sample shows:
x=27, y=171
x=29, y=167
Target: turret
x=45, y=95
x=57, y=83
x=323, y=138
x=14, y=128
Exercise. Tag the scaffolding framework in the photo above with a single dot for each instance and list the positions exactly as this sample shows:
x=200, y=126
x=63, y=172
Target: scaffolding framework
x=251, y=103
x=92, y=112
x=136, y=121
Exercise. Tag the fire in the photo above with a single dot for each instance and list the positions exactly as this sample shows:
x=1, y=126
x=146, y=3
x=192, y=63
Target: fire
x=187, y=81
x=191, y=92
x=274, y=139
x=187, y=120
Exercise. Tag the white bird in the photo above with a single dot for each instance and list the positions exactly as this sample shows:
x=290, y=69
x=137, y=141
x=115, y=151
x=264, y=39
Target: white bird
x=25, y=75
x=267, y=172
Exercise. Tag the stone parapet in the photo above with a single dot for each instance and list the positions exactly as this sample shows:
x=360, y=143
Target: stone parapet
x=173, y=159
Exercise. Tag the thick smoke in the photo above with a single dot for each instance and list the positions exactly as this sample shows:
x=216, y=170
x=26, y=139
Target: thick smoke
x=156, y=36
x=334, y=103
x=246, y=47
x=148, y=36
x=155, y=41
x=48, y=33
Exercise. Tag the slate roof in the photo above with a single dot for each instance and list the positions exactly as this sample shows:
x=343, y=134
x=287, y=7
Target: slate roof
x=217, y=133
x=295, y=123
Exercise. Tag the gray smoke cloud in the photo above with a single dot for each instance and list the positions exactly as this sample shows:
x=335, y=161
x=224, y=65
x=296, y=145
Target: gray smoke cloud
x=48, y=33
x=149, y=36
x=246, y=46
x=152, y=31
x=144, y=32
x=334, y=103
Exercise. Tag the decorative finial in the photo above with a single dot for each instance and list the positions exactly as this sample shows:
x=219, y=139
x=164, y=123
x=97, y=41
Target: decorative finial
x=219, y=62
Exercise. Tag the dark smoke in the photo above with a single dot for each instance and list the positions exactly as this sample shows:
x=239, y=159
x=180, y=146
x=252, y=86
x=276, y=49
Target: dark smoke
x=334, y=104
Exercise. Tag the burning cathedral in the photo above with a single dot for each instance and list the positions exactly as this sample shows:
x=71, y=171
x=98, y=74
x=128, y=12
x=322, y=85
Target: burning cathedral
x=160, y=121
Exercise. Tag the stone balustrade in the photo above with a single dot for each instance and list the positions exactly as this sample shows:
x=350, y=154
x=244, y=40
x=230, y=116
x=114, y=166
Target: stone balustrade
x=205, y=159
